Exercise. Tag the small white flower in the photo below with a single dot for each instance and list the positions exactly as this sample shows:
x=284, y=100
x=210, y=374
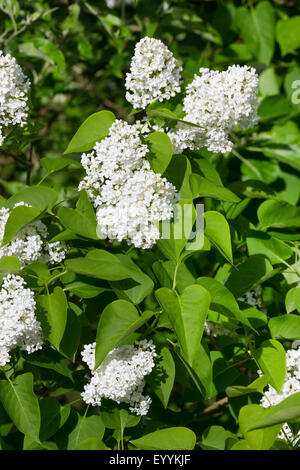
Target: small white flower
x=19, y=326
x=217, y=102
x=154, y=74
x=30, y=243
x=14, y=87
x=130, y=199
x=120, y=377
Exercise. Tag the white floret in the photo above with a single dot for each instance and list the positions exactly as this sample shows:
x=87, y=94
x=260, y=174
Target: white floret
x=14, y=87
x=130, y=199
x=120, y=377
x=19, y=325
x=154, y=74
x=30, y=243
x=217, y=102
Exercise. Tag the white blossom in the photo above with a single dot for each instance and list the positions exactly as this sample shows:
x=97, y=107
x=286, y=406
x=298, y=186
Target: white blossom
x=291, y=385
x=154, y=74
x=14, y=87
x=19, y=326
x=30, y=243
x=130, y=199
x=217, y=102
x=120, y=377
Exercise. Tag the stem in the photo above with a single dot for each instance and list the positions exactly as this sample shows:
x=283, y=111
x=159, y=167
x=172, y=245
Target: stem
x=175, y=274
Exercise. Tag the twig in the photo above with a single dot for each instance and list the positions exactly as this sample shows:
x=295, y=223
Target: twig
x=215, y=405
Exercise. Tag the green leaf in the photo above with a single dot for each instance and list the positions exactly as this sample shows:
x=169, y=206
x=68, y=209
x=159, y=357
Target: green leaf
x=285, y=326
x=223, y=301
x=261, y=243
x=218, y=233
x=79, y=223
x=56, y=164
x=187, y=314
x=287, y=410
x=118, y=320
x=47, y=358
x=261, y=439
x=247, y=274
x=256, y=386
x=164, y=376
x=288, y=34
x=9, y=264
x=216, y=438
x=135, y=285
x=94, y=128
x=21, y=404
x=86, y=428
x=53, y=315
x=180, y=234
x=278, y=214
x=99, y=264
x=71, y=338
x=37, y=196
x=161, y=151
x=257, y=28
x=93, y=443
x=263, y=18
x=18, y=218
x=292, y=300
x=178, y=438
x=119, y=419
x=53, y=417
x=202, y=187
x=178, y=173
x=270, y=358
x=84, y=289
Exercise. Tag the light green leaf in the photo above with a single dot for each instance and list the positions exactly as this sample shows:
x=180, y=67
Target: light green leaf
x=161, y=151
x=18, y=218
x=218, y=233
x=261, y=439
x=178, y=438
x=53, y=315
x=21, y=404
x=165, y=370
x=187, y=314
x=270, y=358
x=94, y=128
x=118, y=320
x=248, y=273
x=87, y=427
x=285, y=326
x=288, y=34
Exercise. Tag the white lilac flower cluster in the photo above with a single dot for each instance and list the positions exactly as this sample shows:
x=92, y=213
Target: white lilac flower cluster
x=14, y=87
x=130, y=199
x=154, y=74
x=120, y=377
x=30, y=243
x=19, y=326
x=217, y=102
x=291, y=385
